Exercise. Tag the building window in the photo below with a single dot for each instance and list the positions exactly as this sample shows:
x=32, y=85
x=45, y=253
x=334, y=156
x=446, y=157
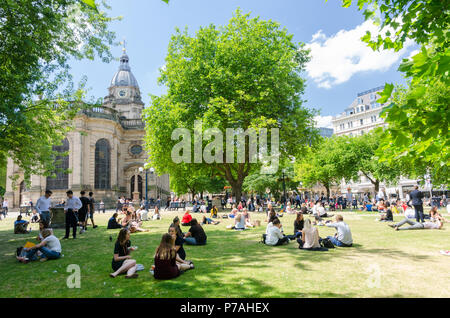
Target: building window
x=361, y=121
x=102, y=164
x=59, y=180
x=362, y=132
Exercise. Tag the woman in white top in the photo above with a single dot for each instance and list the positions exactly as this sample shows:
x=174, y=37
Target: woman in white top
x=310, y=238
x=274, y=234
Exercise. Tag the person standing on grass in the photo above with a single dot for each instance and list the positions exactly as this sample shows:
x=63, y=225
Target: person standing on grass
x=274, y=235
x=5, y=208
x=196, y=235
x=43, y=206
x=343, y=237
x=416, y=197
x=92, y=208
x=83, y=213
x=122, y=261
x=71, y=207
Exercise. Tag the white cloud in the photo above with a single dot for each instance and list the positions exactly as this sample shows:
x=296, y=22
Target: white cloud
x=323, y=121
x=335, y=59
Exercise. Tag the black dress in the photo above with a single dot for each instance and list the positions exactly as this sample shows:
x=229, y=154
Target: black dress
x=181, y=252
x=122, y=251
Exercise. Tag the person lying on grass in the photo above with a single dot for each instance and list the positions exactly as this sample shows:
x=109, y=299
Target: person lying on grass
x=50, y=248
x=310, y=238
x=178, y=245
x=274, y=235
x=166, y=265
x=196, y=234
x=413, y=225
x=209, y=221
x=122, y=261
x=343, y=236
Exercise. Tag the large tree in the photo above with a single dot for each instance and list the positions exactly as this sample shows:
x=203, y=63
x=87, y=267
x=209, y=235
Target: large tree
x=37, y=96
x=242, y=75
x=418, y=121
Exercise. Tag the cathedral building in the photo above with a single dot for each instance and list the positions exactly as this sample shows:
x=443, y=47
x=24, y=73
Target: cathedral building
x=105, y=149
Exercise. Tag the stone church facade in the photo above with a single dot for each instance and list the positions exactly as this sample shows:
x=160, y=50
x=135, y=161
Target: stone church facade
x=105, y=152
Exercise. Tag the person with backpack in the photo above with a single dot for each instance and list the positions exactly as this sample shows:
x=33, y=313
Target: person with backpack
x=343, y=236
x=274, y=235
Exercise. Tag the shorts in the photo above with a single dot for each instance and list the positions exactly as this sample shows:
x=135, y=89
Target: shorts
x=82, y=216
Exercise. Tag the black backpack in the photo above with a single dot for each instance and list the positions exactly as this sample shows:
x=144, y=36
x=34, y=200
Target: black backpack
x=327, y=243
x=263, y=238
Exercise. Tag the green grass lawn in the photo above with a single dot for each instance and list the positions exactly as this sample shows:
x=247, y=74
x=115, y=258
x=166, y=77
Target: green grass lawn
x=382, y=263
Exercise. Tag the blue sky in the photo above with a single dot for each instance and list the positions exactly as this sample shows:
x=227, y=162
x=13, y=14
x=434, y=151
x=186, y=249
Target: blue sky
x=341, y=65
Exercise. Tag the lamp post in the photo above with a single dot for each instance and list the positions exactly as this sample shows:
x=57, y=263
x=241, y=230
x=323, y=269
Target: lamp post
x=284, y=188
x=141, y=169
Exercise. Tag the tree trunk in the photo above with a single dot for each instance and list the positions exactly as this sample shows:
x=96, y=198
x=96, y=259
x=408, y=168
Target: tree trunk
x=327, y=187
x=377, y=186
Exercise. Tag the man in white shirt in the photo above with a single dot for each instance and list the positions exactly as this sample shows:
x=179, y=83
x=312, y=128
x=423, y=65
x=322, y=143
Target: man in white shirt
x=43, y=207
x=73, y=204
x=274, y=235
x=5, y=208
x=343, y=237
x=382, y=194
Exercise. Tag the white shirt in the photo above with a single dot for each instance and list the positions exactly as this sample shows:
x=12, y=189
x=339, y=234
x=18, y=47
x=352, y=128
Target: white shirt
x=343, y=232
x=273, y=235
x=381, y=195
x=431, y=225
x=73, y=203
x=53, y=243
x=43, y=204
x=321, y=211
x=5, y=204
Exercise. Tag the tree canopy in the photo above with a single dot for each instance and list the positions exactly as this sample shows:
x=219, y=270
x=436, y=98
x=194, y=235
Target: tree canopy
x=37, y=95
x=242, y=75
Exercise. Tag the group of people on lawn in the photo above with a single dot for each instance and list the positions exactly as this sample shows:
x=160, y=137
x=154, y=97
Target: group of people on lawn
x=170, y=256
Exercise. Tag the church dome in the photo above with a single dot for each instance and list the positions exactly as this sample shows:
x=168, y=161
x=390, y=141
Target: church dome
x=123, y=76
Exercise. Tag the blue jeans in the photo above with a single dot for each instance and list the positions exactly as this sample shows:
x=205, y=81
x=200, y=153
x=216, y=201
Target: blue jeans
x=46, y=253
x=336, y=242
x=45, y=216
x=192, y=241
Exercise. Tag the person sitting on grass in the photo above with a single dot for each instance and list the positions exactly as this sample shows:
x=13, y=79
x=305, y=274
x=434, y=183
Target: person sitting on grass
x=196, y=234
x=248, y=222
x=34, y=217
x=320, y=212
x=381, y=207
x=274, y=235
x=417, y=225
x=122, y=261
x=187, y=218
x=209, y=221
x=298, y=225
x=49, y=247
x=178, y=245
x=42, y=226
x=387, y=217
x=410, y=213
x=343, y=237
x=113, y=224
x=166, y=266
x=239, y=223
x=132, y=225
x=20, y=226
x=310, y=238
x=156, y=215
x=214, y=212
x=176, y=224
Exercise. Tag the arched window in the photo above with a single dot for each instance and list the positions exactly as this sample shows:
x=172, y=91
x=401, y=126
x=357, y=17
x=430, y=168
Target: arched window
x=102, y=164
x=59, y=180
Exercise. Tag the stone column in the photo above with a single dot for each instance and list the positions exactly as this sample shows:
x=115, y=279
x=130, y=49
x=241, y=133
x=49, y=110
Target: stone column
x=136, y=189
x=77, y=167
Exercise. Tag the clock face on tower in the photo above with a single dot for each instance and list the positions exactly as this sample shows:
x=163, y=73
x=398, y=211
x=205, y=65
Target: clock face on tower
x=122, y=93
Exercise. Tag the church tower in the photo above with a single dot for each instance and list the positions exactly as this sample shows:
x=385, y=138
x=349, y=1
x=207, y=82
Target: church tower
x=124, y=94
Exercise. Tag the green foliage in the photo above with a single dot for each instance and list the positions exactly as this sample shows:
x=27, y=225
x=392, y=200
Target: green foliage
x=423, y=138
x=418, y=131
x=37, y=96
x=245, y=74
